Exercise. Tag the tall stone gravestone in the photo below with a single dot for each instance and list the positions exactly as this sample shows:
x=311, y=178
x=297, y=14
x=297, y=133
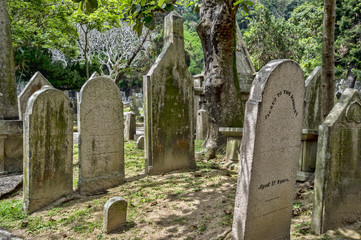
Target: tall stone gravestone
x=35, y=83
x=269, y=156
x=101, y=136
x=48, y=149
x=168, y=88
x=337, y=199
x=311, y=121
x=245, y=69
x=8, y=97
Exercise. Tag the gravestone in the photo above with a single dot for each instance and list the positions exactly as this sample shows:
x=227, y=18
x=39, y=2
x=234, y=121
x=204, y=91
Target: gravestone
x=202, y=124
x=168, y=89
x=269, y=155
x=140, y=143
x=311, y=121
x=35, y=83
x=338, y=172
x=8, y=97
x=101, y=136
x=245, y=69
x=115, y=214
x=129, y=126
x=48, y=149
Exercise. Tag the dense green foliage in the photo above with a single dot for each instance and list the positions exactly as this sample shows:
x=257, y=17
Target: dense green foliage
x=271, y=35
x=348, y=37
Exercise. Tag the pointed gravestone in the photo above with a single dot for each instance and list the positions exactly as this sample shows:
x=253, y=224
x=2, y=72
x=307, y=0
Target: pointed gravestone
x=8, y=97
x=48, y=149
x=245, y=69
x=35, y=83
x=338, y=172
x=101, y=136
x=269, y=156
x=311, y=121
x=169, y=135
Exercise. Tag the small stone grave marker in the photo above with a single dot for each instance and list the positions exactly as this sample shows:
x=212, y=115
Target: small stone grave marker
x=115, y=214
x=129, y=126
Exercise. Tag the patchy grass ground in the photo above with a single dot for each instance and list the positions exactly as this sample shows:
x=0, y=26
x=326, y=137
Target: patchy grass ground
x=180, y=205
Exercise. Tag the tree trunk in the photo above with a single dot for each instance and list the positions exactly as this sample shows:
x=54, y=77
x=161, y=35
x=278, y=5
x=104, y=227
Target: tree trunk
x=328, y=60
x=222, y=90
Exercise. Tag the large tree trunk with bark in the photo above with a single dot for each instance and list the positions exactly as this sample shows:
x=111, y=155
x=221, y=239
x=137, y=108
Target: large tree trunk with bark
x=328, y=60
x=218, y=36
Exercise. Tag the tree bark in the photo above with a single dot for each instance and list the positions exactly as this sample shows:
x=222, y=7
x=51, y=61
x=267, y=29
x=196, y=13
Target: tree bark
x=222, y=90
x=328, y=60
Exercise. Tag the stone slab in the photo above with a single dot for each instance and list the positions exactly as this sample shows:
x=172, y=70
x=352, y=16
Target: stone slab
x=231, y=131
x=9, y=183
x=5, y=235
x=269, y=155
x=338, y=170
x=101, y=136
x=48, y=149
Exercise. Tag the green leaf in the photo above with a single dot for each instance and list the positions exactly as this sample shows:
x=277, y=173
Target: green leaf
x=149, y=22
x=160, y=3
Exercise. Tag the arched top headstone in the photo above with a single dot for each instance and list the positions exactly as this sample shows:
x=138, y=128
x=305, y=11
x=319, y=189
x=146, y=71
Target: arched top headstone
x=269, y=156
x=101, y=136
x=48, y=149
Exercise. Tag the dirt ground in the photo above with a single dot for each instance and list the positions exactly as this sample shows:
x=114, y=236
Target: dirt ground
x=180, y=205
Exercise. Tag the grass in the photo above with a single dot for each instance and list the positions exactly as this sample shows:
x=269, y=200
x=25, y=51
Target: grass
x=180, y=205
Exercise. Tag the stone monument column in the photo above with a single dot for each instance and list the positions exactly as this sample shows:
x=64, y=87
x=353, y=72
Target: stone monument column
x=8, y=97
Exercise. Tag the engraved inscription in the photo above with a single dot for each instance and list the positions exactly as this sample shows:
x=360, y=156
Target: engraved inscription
x=273, y=183
x=274, y=101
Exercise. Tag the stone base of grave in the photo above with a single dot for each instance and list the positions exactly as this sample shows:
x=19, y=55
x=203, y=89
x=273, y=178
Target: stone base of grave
x=308, y=154
x=230, y=165
x=303, y=176
x=11, y=146
x=233, y=149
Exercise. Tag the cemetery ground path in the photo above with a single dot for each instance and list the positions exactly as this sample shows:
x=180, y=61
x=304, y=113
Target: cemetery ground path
x=179, y=205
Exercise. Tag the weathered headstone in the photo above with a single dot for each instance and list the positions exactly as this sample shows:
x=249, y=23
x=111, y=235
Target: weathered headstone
x=115, y=214
x=338, y=172
x=35, y=83
x=311, y=121
x=168, y=89
x=245, y=69
x=101, y=136
x=269, y=155
x=8, y=97
x=48, y=149
x=129, y=126
x=202, y=124
x=140, y=143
